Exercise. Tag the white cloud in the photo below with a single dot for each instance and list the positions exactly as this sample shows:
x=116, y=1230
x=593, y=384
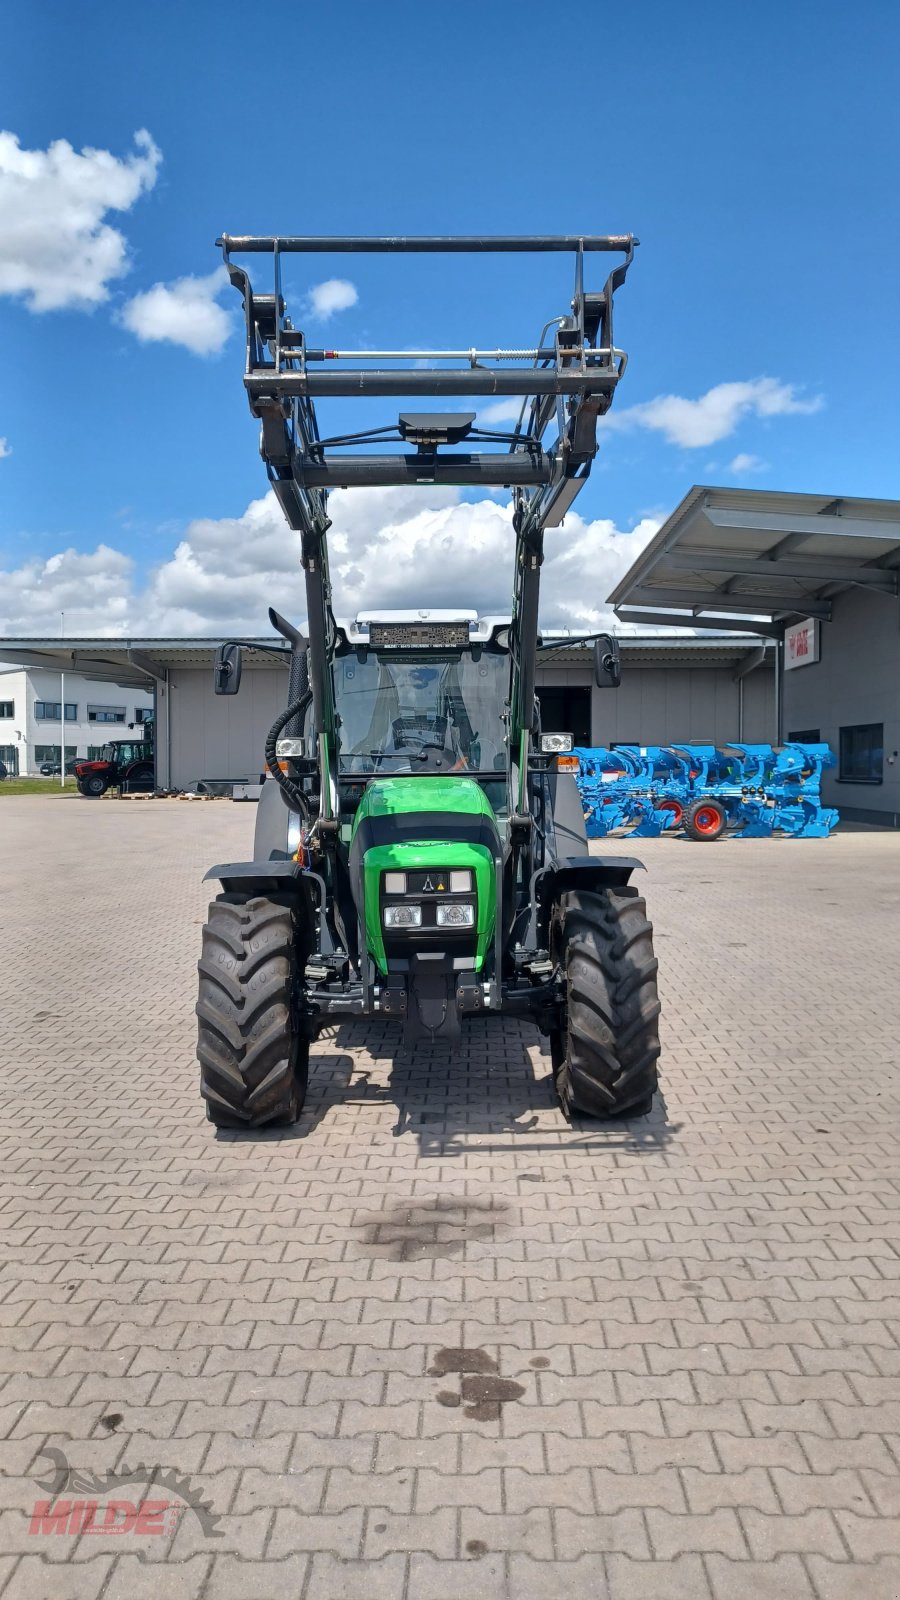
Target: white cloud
x=335, y=294
x=500, y=411
x=185, y=312
x=5, y=448
x=392, y=548
x=694, y=424
x=389, y=547
x=56, y=249
x=94, y=589
x=744, y=463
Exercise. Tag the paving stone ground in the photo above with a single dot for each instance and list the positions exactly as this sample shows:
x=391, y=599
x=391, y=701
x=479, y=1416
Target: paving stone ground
x=680, y=1367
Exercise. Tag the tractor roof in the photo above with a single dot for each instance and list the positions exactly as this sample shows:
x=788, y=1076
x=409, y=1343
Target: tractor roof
x=365, y=629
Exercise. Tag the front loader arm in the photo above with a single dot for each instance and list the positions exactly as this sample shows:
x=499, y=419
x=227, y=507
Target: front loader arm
x=570, y=380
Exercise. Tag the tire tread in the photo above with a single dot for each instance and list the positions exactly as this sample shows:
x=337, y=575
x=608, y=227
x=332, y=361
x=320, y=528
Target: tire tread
x=253, y=1061
x=605, y=944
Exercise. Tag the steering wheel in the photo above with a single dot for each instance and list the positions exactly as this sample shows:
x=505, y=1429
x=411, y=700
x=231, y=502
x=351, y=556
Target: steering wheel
x=435, y=758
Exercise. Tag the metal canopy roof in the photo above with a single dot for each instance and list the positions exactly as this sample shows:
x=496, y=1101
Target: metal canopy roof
x=126, y=661
x=728, y=555
x=659, y=650
x=135, y=661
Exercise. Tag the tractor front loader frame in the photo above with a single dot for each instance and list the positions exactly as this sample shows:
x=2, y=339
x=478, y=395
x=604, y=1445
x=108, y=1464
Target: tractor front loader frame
x=549, y=890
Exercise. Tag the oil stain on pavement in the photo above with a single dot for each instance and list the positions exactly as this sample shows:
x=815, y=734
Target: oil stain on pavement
x=482, y=1392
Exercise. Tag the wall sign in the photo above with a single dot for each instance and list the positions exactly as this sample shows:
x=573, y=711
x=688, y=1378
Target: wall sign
x=801, y=644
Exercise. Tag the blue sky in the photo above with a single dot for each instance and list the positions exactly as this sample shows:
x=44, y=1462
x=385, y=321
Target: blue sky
x=752, y=148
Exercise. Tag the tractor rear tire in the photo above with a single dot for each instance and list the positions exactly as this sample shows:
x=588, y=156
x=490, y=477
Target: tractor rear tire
x=254, y=1060
x=705, y=820
x=604, y=944
x=139, y=780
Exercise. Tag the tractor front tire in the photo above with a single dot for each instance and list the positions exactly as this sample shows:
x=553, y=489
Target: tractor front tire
x=604, y=945
x=92, y=788
x=254, y=1060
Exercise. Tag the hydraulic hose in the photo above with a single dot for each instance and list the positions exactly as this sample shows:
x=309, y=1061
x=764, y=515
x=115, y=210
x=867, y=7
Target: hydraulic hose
x=288, y=787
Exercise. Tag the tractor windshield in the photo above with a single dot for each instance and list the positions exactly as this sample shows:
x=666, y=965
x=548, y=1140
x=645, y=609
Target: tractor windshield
x=122, y=751
x=426, y=711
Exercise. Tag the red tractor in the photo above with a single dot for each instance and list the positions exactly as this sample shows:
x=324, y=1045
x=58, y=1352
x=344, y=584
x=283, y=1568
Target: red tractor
x=123, y=764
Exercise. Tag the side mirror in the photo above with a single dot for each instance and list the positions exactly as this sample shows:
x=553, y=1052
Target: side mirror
x=227, y=669
x=607, y=662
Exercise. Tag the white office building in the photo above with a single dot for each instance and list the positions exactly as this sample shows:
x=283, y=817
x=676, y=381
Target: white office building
x=42, y=710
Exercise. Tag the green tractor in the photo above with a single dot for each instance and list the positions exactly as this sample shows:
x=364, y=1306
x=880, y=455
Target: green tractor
x=420, y=851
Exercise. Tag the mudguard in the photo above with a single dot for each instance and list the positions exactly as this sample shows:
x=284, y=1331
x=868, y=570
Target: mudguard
x=278, y=878
x=273, y=822
x=568, y=814
x=574, y=872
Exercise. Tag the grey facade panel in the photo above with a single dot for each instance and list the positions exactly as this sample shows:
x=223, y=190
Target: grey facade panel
x=224, y=737
x=759, y=706
x=676, y=705
x=856, y=681
x=221, y=736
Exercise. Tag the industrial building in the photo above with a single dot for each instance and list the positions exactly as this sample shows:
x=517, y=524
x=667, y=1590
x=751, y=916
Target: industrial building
x=820, y=577
x=711, y=688
x=792, y=603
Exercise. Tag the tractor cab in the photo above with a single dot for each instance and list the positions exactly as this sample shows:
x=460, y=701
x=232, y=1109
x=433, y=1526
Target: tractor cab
x=423, y=694
x=122, y=752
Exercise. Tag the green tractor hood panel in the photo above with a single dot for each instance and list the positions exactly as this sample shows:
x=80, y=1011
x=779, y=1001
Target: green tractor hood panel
x=407, y=824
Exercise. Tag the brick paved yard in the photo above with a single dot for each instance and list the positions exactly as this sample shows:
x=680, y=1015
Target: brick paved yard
x=434, y=1342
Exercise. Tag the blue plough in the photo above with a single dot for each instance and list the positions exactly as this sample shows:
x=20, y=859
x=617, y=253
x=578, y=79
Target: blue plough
x=754, y=790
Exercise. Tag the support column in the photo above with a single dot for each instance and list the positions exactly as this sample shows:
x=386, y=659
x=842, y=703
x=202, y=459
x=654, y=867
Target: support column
x=779, y=690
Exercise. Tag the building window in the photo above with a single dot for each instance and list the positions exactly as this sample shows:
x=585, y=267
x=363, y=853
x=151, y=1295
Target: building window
x=805, y=736
x=51, y=711
x=95, y=752
x=106, y=713
x=50, y=752
x=141, y=713
x=862, y=753
x=7, y=708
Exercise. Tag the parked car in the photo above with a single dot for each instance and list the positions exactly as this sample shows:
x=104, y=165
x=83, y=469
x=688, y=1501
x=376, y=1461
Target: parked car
x=50, y=769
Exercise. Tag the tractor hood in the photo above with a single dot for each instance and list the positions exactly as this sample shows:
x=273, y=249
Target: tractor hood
x=415, y=824
x=417, y=798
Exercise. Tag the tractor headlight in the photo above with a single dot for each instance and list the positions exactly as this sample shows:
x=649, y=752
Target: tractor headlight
x=402, y=916
x=461, y=882
x=395, y=883
x=553, y=742
x=288, y=749
x=455, y=916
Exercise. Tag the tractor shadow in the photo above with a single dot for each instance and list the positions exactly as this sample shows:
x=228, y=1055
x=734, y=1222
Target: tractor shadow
x=493, y=1093
x=331, y=1086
